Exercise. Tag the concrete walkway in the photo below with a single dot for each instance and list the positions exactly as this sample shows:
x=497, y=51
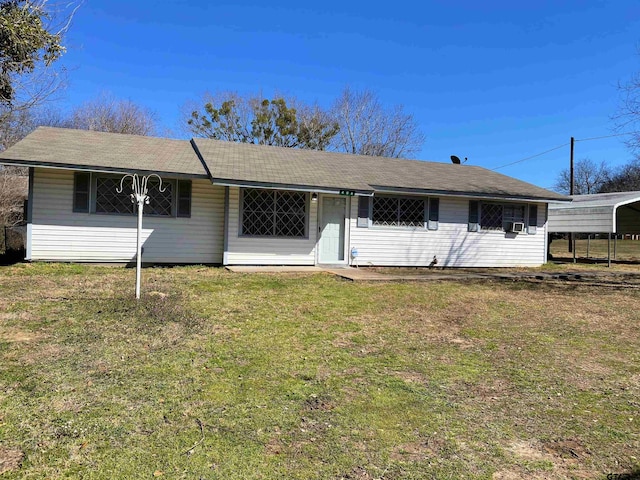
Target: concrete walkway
x=348, y=273
x=627, y=279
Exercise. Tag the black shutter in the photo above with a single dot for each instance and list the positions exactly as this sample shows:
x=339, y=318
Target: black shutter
x=81, y=183
x=184, y=198
x=533, y=215
x=363, y=211
x=434, y=213
x=474, y=219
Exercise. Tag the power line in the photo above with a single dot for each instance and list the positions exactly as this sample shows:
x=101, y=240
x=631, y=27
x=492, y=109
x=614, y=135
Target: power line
x=564, y=145
x=606, y=136
x=532, y=156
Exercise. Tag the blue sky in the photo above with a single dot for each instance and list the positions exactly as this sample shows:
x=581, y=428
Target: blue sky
x=494, y=81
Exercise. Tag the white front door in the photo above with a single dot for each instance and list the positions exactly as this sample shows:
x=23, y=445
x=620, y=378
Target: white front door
x=332, y=230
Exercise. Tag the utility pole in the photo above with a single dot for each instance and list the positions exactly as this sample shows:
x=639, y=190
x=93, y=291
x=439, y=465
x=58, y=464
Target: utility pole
x=571, y=188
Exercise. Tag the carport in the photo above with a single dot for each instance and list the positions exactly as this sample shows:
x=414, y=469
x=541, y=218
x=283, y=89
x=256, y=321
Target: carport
x=610, y=213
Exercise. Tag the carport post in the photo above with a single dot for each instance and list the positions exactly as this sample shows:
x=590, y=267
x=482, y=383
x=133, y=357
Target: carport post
x=615, y=245
x=572, y=243
x=609, y=251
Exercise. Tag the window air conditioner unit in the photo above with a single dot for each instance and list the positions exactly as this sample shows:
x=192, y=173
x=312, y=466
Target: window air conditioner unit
x=517, y=227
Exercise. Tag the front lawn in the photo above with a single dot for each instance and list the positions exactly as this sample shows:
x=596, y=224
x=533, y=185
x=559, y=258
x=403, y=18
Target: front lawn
x=216, y=375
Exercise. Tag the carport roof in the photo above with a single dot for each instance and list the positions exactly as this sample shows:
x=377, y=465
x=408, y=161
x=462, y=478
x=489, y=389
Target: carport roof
x=595, y=213
x=611, y=200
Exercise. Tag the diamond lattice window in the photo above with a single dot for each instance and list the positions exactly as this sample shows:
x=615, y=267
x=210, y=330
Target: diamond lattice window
x=398, y=212
x=491, y=216
x=272, y=213
x=385, y=211
x=160, y=202
x=108, y=200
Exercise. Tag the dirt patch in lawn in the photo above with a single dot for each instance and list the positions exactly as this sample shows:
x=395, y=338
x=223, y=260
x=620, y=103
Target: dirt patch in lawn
x=11, y=335
x=10, y=459
x=564, y=457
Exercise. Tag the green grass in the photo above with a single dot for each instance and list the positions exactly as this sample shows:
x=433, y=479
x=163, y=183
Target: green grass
x=228, y=376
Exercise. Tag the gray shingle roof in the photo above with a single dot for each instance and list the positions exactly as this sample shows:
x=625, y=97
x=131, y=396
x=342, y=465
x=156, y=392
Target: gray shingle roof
x=288, y=166
x=63, y=147
x=246, y=164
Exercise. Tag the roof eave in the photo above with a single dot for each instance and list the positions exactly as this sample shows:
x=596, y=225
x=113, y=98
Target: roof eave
x=98, y=169
x=229, y=182
x=451, y=193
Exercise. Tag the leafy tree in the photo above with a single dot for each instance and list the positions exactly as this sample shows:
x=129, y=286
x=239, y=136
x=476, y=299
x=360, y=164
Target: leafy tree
x=275, y=124
x=25, y=41
x=366, y=127
x=31, y=36
x=589, y=177
x=252, y=119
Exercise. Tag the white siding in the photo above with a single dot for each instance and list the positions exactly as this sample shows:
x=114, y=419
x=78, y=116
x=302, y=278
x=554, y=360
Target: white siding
x=60, y=234
x=451, y=244
x=266, y=250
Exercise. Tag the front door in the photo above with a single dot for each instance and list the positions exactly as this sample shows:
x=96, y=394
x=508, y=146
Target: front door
x=332, y=230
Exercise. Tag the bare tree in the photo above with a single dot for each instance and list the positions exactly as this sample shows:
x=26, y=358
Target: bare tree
x=15, y=126
x=13, y=192
x=624, y=179
x=627, y=118
x=366, y=127
x=108, y=114
x=589, y=177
